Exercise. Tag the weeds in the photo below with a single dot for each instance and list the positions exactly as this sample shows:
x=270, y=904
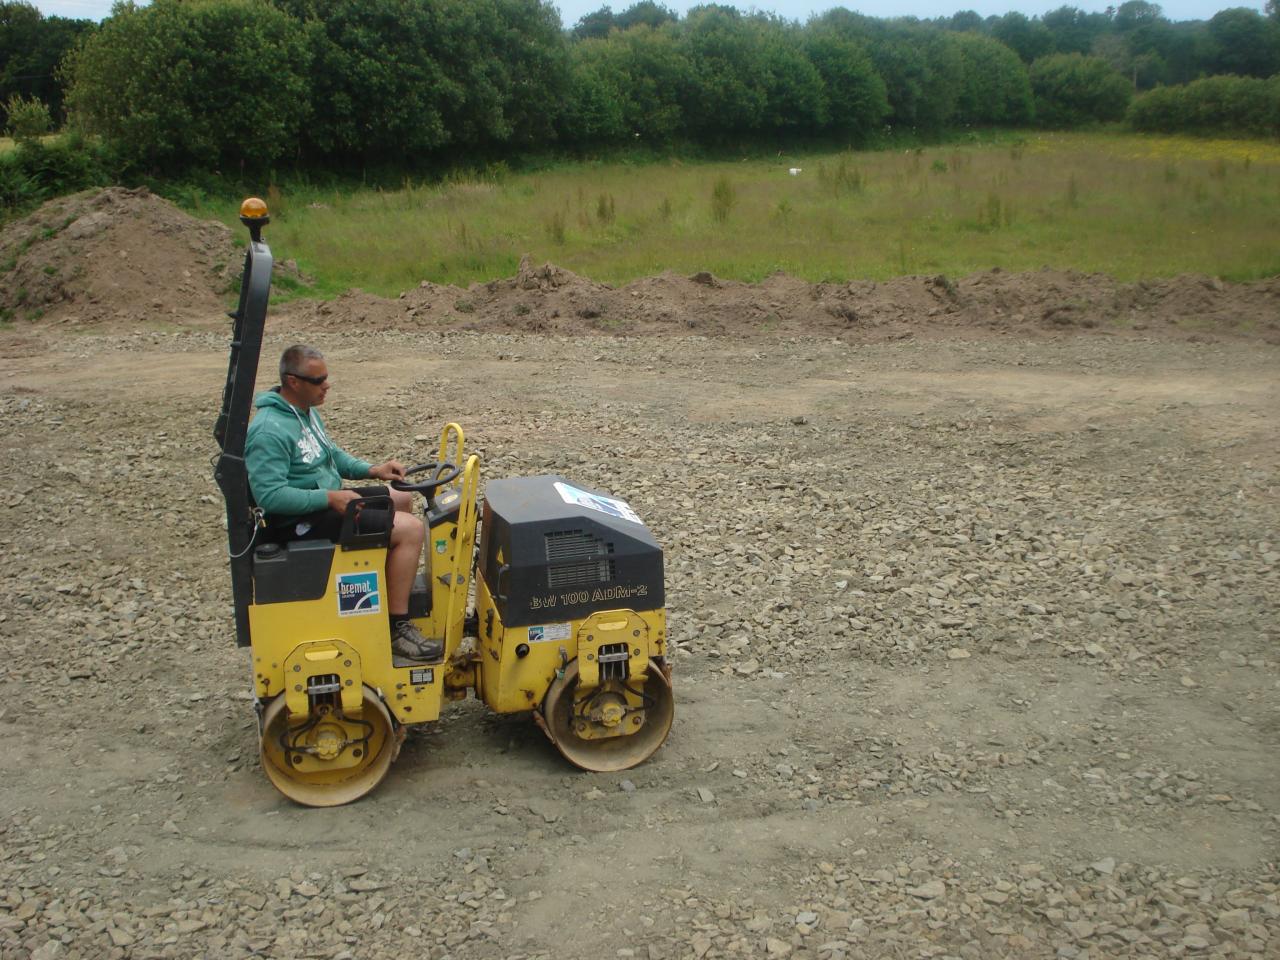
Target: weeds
x=843, y=179
x=943, y=281
x=276, y=203
x=605, y=209
x=994, y=213
x=723, y=199
x=555, y=228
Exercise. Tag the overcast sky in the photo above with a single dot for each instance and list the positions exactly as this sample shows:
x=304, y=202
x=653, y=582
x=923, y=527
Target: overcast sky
x=571, y=10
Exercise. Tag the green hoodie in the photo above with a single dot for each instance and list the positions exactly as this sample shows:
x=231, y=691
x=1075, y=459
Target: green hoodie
x=292, y=462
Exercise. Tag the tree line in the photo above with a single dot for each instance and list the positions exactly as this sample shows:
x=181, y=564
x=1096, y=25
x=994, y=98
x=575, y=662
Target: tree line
x=246, y=85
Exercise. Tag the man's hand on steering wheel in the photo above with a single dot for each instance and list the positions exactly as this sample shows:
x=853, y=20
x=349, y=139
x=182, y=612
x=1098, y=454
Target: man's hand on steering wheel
x=437, y=475
x=388, y=470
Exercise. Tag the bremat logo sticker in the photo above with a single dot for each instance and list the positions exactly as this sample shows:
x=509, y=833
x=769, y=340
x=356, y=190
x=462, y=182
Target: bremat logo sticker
x=358, y=594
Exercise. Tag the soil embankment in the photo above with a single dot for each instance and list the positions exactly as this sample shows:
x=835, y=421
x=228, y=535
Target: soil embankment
x=114, y=259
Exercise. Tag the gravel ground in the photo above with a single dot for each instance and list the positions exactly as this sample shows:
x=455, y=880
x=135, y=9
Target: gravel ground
x=976, y=657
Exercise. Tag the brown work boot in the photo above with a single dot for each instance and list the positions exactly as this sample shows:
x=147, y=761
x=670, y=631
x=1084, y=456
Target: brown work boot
x=408, y=642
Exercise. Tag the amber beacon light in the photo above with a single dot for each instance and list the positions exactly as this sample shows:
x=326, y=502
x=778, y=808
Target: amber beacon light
x=253, y=214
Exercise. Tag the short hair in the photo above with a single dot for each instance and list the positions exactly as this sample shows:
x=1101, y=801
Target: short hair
x=295, y=357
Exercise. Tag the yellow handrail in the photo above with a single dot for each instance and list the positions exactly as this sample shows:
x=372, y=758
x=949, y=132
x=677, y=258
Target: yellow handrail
x=460, y=575
x=455, y=431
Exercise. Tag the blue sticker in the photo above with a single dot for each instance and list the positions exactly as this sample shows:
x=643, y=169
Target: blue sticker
x=535, y=634
x=358, y=594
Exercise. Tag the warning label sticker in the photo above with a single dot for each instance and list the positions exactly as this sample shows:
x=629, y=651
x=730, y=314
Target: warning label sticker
x=594, y=501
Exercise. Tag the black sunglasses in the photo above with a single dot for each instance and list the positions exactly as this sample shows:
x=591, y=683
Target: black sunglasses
x=302, y=376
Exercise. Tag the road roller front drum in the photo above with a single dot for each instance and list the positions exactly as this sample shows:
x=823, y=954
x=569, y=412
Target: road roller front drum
x=596, y=730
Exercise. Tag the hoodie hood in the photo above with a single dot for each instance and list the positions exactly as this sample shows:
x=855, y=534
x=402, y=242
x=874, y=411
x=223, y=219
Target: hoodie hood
x=272, y=398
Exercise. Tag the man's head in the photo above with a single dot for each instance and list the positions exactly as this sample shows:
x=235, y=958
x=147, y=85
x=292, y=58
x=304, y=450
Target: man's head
x=304, y=377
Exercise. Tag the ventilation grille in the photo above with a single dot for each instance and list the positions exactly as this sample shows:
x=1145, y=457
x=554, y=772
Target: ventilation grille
x=577, y=559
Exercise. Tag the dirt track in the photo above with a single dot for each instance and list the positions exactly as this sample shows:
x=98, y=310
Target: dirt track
x=977, y=657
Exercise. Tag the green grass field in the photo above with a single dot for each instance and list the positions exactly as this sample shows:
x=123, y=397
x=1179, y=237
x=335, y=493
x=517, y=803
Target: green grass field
x=1133, y=207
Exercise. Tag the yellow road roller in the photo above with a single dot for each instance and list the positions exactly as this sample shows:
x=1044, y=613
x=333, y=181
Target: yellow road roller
x=568, y=622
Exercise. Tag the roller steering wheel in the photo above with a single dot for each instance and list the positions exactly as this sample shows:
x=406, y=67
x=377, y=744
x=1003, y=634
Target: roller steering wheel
x=441, y=473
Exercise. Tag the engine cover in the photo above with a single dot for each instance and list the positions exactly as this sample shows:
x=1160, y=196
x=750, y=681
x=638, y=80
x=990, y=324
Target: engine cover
x=551, y=549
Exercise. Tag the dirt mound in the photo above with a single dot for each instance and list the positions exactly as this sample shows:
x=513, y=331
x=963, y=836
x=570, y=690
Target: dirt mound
x=553, y=300
x=116, y=255
x=121, y=258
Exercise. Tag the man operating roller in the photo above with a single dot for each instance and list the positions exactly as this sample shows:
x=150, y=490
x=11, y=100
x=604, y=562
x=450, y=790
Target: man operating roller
x=296, y=474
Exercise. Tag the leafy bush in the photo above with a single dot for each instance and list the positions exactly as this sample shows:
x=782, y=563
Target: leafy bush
x=28, y=119
x=18, y=190
x=918, y=65
x=1071, y=90
x=856, y=99
x=1243, y=42
x=1215, y=105
x=727, y=96
x=216, y=84
x=31, y=47
x=660, y=75
x=397, y=81
x=596, y=107
x=994, y=86
x=39, y=170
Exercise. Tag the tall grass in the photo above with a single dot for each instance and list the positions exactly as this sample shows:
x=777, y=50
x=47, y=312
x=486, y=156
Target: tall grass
x=1133, y=207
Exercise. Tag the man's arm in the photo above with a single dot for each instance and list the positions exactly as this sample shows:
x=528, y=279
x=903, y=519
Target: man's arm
x=353, y=468
x=267, y=459
x=349, y=467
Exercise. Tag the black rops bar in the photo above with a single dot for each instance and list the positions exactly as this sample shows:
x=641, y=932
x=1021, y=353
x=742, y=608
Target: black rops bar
x=233, y=420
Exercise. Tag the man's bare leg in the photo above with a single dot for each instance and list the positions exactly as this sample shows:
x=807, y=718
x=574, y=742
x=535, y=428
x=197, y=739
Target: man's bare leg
x=407, y=535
